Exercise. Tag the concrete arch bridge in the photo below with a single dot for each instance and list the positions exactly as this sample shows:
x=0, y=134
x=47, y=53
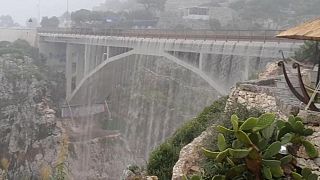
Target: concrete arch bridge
x=220, y=58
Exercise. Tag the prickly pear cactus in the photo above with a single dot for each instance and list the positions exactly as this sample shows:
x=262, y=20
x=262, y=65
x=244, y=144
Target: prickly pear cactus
x=295, y=132
x=255, y=150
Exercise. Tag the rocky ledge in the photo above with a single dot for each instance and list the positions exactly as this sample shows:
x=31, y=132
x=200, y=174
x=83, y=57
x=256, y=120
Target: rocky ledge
x=265, y=96
x=191, y=155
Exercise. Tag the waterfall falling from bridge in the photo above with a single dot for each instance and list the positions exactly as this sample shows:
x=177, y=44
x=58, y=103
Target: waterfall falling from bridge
x=151, y=87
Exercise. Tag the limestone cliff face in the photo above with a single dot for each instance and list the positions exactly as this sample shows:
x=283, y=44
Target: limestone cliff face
x=28, y=131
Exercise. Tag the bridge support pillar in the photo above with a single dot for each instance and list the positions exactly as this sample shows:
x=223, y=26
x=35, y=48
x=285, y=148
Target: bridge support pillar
x=201, y=61
x=54, y=54
x=87, y=58
x=75, y=65
x=94, y=55
x=99, y=55
x=106, y=54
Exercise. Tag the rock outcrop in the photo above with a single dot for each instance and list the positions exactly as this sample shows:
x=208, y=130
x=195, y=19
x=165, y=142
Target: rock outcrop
x=29, y=135
x=265, y=96
x=192, y=155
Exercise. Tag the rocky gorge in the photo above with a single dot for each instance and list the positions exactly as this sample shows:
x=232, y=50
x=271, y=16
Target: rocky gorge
x=146, y=99
x=30, y=133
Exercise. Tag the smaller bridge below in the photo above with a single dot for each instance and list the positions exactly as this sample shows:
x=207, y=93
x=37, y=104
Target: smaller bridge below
x=75, y=111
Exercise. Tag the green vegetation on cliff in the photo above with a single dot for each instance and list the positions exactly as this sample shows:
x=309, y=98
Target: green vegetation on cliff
x=283, y=13
x=308, y=52
x=164, y=157
x=19, y=49
x=26, y=117
x=261, y=148
x=20, y=52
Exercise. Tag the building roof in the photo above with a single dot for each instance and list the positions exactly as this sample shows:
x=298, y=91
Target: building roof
x=210, y=4
x=306, y=31
x=174, y=5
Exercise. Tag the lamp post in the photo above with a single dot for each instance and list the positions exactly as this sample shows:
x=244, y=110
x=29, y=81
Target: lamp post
x=68, y=18
x=39, y=12
x=317, y=56
x=67, y=6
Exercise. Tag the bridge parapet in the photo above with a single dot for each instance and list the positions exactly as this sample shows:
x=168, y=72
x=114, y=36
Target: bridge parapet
x=234, y=35
x=242, y=48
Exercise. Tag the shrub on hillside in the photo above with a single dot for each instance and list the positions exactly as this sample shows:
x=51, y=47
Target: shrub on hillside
x=307, y=52
x=164, y=157
x=24, y=61
x=18, y=48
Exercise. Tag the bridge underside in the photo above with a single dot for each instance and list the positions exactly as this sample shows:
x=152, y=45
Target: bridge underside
x=103, y=82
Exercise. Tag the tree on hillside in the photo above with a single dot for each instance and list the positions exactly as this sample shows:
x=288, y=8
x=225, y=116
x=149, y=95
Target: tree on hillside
x=80, y=16
x=282, y=12
x=307, y=52
x=97, y=16
x=139, y=15
x=52, y=22
x=6, y=21
x=214, y=24
x=149, y=5
x=102, y=15
x=84, y=17
x=66, y=16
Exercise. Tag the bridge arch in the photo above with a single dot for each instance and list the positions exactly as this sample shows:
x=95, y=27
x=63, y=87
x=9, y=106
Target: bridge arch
x=215, y=85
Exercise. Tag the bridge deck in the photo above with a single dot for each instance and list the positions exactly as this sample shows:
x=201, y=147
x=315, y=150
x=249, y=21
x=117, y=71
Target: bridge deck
x=243, y=44
x=216, y=46
x=232, y=35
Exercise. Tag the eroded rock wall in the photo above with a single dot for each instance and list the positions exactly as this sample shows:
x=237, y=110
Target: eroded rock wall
x=265, y=96
x=29, y=136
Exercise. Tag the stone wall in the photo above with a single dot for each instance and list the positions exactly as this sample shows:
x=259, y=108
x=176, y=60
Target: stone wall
x=253, y=99
x=265, y=96
x=192, y=155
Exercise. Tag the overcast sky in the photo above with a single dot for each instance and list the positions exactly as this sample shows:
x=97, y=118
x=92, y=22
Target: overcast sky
x=21, y=10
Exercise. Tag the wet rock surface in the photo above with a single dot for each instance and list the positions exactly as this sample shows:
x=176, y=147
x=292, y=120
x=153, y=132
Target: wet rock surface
x=265, y=96
x=281, y=101
x=29, y=135
x=192, y=155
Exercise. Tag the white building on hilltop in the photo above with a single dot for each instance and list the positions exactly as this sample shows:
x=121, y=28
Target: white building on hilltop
x=117, y=6
x=196, y=13
x=174, y=5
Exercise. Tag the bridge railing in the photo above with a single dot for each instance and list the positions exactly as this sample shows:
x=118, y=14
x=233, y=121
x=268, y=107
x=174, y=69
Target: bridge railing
x=238, y=35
